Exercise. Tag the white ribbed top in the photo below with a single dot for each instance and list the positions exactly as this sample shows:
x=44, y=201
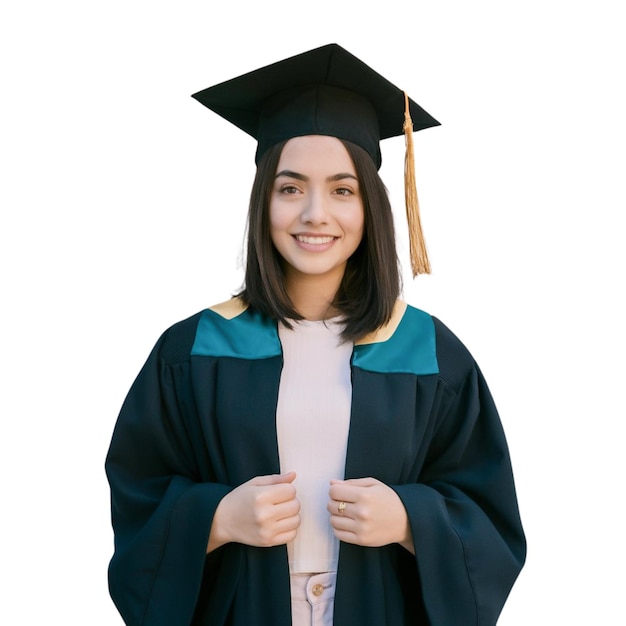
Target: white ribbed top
x=312, y=423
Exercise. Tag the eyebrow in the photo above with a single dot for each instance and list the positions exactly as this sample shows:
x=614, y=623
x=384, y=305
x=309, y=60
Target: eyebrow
x=302, y=177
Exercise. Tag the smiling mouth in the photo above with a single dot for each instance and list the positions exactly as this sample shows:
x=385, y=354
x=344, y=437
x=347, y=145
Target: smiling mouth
x=314, y=240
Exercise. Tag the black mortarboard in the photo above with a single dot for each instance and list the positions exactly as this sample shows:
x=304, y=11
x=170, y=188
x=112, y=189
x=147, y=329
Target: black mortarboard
x=325, y=91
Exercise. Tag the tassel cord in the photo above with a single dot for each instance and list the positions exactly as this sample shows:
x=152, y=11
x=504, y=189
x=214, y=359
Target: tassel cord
x=417, y=246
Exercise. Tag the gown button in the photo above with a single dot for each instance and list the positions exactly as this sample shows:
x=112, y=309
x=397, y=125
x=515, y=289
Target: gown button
x=317, y=590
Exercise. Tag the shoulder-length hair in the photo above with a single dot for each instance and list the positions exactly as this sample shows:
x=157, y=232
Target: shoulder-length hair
x=371, y=282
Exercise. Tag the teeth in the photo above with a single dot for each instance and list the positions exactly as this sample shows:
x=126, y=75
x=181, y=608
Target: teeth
x=314, y=240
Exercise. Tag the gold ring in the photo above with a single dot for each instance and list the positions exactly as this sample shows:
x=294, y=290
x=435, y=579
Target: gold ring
x=341, y=507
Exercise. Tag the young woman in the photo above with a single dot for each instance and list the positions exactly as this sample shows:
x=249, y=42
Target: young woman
x=314, y=450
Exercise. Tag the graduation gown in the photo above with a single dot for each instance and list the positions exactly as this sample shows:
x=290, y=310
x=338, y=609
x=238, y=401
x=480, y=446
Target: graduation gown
x=200, y=420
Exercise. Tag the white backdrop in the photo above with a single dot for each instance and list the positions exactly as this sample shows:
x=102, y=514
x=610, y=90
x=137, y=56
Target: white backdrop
x=122, y=211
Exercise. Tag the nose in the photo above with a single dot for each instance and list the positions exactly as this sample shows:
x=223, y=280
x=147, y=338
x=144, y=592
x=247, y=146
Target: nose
x=315, y=210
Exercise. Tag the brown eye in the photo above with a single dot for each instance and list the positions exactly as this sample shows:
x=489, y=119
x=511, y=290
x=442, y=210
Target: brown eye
x=289, y=189
x=343, y=191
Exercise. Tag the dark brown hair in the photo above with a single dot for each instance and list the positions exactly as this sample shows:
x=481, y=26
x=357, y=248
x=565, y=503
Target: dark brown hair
x=371, y=282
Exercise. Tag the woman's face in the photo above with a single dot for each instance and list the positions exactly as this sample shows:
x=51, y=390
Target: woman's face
x=316, y=210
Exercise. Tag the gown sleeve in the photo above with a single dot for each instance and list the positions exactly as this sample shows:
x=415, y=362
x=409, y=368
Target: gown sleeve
x=468, y=539
x=161, y=511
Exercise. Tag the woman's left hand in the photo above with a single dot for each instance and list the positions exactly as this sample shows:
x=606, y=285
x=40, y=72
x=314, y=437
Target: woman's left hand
x=366, y=512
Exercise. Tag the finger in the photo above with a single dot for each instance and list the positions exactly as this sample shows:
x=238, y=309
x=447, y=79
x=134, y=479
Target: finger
x=344, y=493
x=343, y=523
x=346, y=536
x=339, y=508
x=286, y=537
x=274, y=479
x=279, y=532
x=286, y=509
x=356, y=482
x=344, y=528
x=276, y=494
x=286, y=523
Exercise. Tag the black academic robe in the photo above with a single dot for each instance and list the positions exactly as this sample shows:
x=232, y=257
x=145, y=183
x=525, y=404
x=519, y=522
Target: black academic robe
x=200, y=420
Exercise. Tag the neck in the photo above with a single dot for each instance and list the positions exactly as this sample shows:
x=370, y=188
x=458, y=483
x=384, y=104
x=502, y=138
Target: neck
x=312, y=295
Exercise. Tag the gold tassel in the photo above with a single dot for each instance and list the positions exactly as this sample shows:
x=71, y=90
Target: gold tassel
x=417, y=245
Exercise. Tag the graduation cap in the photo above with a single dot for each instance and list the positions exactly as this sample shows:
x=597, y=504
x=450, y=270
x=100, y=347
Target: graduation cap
x=326, y=91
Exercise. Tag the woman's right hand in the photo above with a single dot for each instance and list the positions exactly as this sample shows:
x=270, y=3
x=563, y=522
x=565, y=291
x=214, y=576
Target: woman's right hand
x=262, y=512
